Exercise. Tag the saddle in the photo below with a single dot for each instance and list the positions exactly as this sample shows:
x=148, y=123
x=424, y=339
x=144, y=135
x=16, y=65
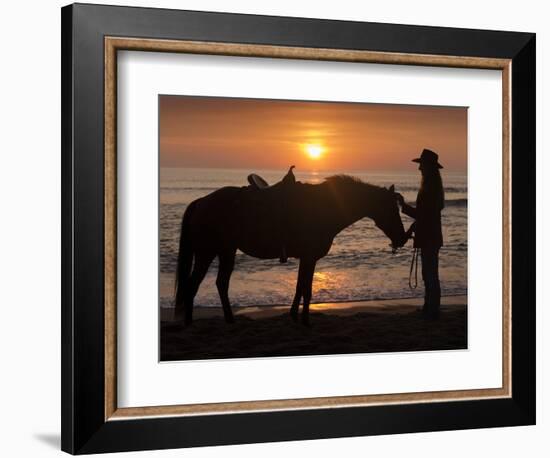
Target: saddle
x=258, y=183
x=271, y=203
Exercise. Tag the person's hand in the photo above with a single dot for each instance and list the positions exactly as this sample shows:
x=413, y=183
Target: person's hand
x=410, y=231
x=400, y=199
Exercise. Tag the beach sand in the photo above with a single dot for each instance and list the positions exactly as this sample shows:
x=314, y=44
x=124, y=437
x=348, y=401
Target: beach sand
x=336, y=328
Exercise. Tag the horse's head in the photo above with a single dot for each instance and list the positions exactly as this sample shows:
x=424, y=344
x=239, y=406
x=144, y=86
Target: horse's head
x=388, y=219
x=358, y=199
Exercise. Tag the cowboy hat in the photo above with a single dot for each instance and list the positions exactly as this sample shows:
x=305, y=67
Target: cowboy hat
x=428, y=157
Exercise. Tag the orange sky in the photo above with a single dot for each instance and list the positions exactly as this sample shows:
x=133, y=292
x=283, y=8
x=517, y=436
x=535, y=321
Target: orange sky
x=272, y=134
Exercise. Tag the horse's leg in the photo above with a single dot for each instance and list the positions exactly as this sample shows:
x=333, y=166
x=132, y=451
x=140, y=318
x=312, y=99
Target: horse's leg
x=227, y=262
x=298, y=294
x=307, y=280
x=202, y=263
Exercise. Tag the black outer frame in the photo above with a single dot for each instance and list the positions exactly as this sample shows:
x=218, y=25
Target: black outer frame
x=84, y=429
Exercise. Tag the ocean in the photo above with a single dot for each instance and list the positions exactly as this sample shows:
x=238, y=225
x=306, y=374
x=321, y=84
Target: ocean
x=360, y=265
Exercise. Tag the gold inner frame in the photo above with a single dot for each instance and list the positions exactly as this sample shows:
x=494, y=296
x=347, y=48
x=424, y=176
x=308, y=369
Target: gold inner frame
x=114, y=44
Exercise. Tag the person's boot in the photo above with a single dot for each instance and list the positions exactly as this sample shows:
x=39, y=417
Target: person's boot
x=430, y=310
x=422, y=310
x=431, y=314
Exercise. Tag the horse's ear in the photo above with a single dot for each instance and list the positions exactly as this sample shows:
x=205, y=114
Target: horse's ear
x=392, y=188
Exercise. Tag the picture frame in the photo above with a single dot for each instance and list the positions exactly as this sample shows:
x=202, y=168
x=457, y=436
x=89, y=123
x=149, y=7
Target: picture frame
x=92, y=35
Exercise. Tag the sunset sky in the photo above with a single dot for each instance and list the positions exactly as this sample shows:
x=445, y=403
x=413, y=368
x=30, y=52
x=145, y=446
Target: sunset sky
x=270, y=134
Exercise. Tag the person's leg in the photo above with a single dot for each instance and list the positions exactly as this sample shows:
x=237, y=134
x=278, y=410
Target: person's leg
x=430, y=276
x=437, y=285
x=426, y=277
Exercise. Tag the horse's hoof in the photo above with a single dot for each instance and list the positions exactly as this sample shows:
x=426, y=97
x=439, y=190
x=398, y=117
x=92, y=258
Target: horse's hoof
x=187, y=323
x=294, y=316
x=305, y=321
x=230, y=320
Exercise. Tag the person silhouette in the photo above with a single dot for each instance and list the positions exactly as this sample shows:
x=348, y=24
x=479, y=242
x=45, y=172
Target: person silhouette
x=428, y=237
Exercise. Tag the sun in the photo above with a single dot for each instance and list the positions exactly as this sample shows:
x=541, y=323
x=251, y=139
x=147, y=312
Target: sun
x=314, y=151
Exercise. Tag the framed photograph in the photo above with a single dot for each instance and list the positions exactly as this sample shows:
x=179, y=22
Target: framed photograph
x=284, y=228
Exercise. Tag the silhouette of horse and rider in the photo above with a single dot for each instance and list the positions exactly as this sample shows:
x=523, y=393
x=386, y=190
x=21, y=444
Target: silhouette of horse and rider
x=292, y=219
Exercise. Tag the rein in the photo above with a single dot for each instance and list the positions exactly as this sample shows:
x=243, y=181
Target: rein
x=414, y=264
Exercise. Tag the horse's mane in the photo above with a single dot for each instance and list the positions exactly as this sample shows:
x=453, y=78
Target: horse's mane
x=352, y=182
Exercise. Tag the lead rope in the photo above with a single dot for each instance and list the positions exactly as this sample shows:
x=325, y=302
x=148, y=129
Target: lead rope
x=414, y=264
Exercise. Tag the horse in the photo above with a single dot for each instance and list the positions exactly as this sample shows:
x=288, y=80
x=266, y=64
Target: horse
x=251, y=220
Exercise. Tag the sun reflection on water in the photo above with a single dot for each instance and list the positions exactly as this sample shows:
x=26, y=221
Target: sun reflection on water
x=327, y=280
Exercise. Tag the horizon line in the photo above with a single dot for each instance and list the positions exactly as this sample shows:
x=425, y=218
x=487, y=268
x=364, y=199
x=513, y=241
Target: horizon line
x=297, y=170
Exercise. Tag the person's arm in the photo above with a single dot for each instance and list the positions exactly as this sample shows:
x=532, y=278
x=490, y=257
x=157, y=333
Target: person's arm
x=405, y=208
x=409, y=210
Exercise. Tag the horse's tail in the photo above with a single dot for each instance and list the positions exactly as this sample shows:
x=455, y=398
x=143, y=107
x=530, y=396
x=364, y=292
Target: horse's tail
x=185, y=254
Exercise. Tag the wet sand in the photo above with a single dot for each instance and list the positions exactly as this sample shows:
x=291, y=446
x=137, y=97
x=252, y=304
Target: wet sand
x=337, y=328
